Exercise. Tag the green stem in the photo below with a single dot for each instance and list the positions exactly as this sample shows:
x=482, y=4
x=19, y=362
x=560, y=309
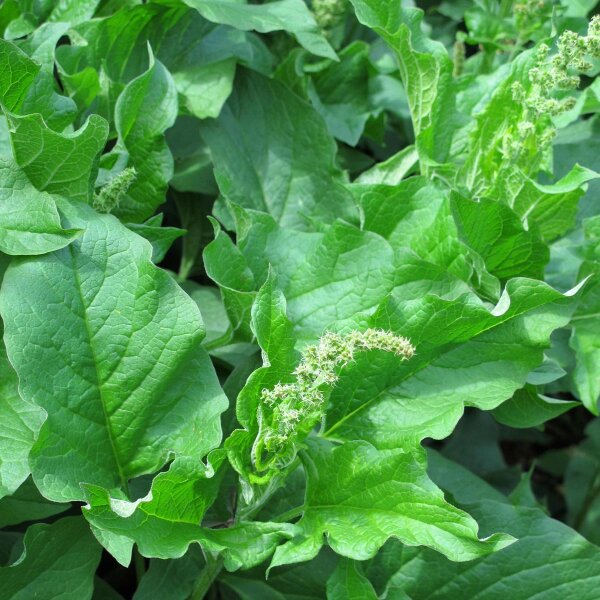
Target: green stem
x=139, y=564
x=213, y=567
x=587, y=504
x=288, y=515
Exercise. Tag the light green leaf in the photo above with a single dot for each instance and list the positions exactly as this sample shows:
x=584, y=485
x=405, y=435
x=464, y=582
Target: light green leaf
x=259, y=147
x=359, y=497
x=553, y=208
x=498, y=235
x=65, y=164
x=29, y=219
x=585, y=339
x=58, y=561
x=287, y=15
x=145, y=109
x=163, y=530
x=393, y=170
x=274, y=334
x=125, y=380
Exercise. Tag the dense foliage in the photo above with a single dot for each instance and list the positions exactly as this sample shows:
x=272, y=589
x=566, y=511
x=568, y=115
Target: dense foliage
x=299, y=300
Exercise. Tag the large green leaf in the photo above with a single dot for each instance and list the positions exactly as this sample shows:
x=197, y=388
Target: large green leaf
x=259, y=147
x=549, y=560
x=467, y=354
x=29, y=219
x=124, y=379
x=359, y=497
x=58, y=561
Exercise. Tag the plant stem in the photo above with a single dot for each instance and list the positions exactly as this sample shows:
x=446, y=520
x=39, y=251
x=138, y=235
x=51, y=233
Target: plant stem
x=590, y=498
x=213, y=567
x=139, y=564
x=289, y=514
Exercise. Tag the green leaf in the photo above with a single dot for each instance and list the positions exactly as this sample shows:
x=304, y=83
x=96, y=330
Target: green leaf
x=145, y=109
x=160, y=237
x=341, y=93
x=347, y=582
x=173, y=579
x=527, y=408
x=200, y=56
x=20, y=422
x=274, y=334
x=549, y=560
x=426, y=71
x=164, y=526
x=43, y=95
x=125, y=380
x=586, y=330
x=287, y=15
x=58, y=559
x=272, y=152
x=378, y=494
x=466, y=354
x=498, y=235
x=29, y=220
x=27, y=504
x=393, y=170
x=17, y=72
x=582, y=484
x=65, y=164
x=553, y=208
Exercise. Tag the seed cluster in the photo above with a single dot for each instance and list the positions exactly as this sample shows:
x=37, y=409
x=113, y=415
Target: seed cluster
x=552, y=74
x=297, y=407
x=113, y=192
x=329, y=13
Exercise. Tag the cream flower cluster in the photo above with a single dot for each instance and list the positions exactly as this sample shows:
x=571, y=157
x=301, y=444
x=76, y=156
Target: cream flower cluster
x=329, y=13
x=297, y=407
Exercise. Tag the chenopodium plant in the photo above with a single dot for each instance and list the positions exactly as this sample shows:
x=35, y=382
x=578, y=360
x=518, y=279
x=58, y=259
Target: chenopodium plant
x=289, y=411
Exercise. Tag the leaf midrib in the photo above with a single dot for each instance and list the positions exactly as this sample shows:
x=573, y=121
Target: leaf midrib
x=88, y=331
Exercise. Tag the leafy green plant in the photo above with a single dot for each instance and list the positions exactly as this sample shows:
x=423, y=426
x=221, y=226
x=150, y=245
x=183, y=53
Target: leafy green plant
x=356, y=354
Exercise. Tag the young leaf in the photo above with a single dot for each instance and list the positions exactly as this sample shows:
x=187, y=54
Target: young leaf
x=145, y=109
